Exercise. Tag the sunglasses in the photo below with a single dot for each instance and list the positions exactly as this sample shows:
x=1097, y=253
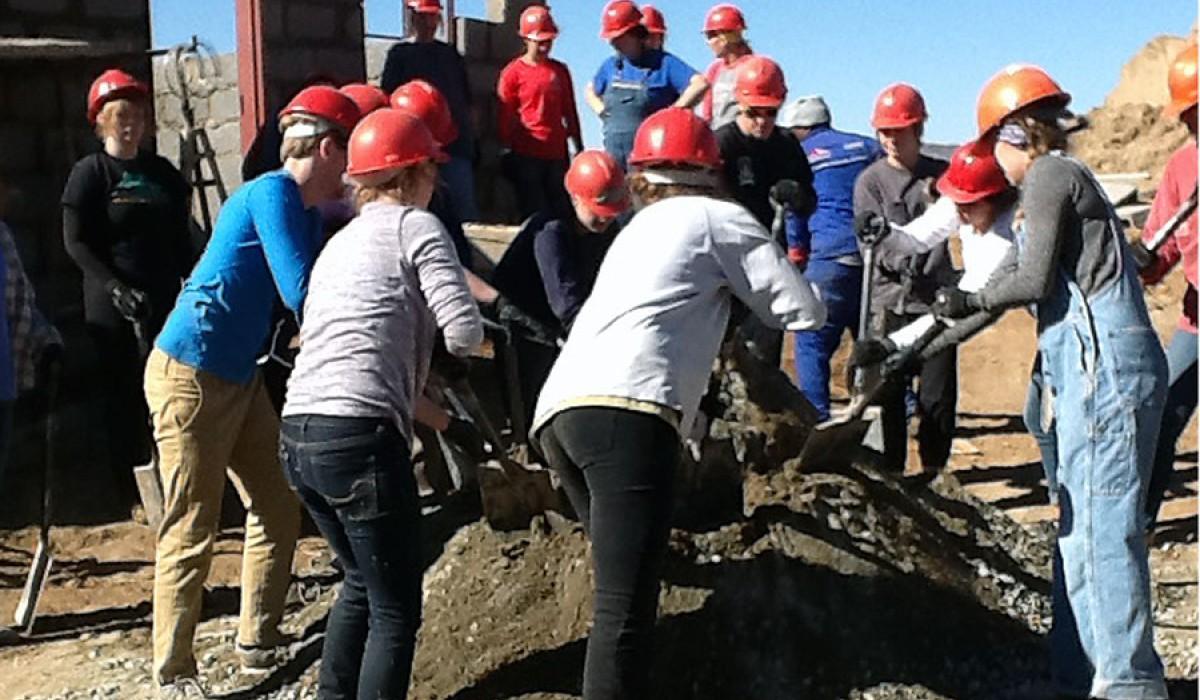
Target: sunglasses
x=761, y=112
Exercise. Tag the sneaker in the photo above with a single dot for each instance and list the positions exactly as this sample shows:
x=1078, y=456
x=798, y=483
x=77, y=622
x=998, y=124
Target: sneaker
x=261, y=657
x=182, y=689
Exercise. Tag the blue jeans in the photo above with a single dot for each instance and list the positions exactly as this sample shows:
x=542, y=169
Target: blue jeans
x=355, y=479
x=1181, y=404
x=841, y=288
x=459, y=176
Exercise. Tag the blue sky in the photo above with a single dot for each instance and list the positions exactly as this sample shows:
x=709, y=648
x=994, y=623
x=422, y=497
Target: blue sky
x=846, y=50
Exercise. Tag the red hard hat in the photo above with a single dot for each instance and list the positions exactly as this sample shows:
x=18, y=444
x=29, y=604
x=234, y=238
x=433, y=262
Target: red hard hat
x=675, y=136
x=425, y=7
x=537, y=24
x=1181, y=80
x=1013, y=88
x=759, y=83
x=653, y=20
x=898, y=106
x=326, y=103
x=368, y=97
x=619, y=17
x=387, y=139
x=424, y=101
x=974, y=174
x=112, y=85
x=596, y=178
x=724, y=18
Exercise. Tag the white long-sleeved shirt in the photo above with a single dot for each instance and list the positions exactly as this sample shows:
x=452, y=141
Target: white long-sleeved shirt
x=982, y=252
x=653, y=324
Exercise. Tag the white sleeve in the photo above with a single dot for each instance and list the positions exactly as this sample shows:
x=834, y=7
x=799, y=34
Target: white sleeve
x=761, y=276
x=926, y=231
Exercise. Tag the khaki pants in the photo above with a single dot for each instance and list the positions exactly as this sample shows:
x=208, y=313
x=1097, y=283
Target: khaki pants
x=204, y=425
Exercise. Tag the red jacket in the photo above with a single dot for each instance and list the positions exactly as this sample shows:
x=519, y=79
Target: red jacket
x=536, y=108
x=1178, y=183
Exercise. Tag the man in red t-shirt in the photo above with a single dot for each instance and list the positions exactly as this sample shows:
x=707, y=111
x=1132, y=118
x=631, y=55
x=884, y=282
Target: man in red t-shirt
x=536, y=118
x=1178, y=184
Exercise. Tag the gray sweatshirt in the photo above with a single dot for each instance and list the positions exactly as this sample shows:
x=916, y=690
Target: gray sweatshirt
x=1068, y=226
x=379, y=292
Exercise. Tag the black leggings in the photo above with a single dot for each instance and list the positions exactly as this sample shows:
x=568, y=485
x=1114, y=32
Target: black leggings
x=126, y=417
x=938, y=398
x=618, y=469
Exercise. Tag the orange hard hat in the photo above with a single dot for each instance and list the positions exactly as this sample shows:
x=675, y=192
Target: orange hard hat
x=619, y=16
x=1181, y=80
x=653, y=20
x=368, y=97
x=759, y=83
x=388, y=139
x=898, y=106
x=424, y=101
x=325, y=103
x=675, y=136
x=537, y=24
x=425, y=7
x=596, y=178
x=1013, y=88
x=113, y=84
x=724, y=18
x=974, y=174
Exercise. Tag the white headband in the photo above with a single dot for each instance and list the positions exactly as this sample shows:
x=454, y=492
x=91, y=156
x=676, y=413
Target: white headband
x=304, y=128
x=679, y=176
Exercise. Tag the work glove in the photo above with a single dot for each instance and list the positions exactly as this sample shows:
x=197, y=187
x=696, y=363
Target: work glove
x=130, y=303
x=1142, y=256
x=871, y=227
x=871, y=351
x=789, y=193
x=952, y=302
x=512, y=317
x=798, y=257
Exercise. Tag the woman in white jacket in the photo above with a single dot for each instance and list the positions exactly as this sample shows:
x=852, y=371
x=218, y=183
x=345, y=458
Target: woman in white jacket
x=629, y=380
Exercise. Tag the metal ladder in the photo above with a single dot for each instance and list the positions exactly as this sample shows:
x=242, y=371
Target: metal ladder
x=191, y=72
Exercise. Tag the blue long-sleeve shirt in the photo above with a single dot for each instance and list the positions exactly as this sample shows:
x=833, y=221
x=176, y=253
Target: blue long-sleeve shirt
x=264, y=243
x=836, y=159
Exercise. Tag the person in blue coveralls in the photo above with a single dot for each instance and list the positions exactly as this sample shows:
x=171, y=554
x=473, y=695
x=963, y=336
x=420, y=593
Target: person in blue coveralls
x=638, y=81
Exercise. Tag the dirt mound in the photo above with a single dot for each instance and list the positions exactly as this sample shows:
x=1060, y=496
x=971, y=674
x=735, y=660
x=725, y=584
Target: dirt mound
x=1129, y=138
x=1144, y=77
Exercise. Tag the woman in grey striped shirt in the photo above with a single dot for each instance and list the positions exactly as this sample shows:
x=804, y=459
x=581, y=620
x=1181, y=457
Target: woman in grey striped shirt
x=380, y=292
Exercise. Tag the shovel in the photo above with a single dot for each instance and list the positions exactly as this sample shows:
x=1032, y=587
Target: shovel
x=43, y=557
x=146, y=476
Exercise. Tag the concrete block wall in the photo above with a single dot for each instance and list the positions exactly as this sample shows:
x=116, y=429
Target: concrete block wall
x=216, y=109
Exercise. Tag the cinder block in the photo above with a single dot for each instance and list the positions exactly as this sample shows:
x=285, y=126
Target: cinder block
x=231, y=171
x=474, y=39
x=227, y=70
x=225, y=105
x=226, y=138
x=116, y=9
x=495, y=10
x=311, y=21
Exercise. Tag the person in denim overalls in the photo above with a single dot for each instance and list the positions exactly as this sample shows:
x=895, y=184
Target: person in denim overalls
x=1106, y=377
x=637, y=81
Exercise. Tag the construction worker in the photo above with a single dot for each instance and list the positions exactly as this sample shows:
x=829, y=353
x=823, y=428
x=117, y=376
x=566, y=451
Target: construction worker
x=126, y=224
x=210, y=409
x=824, y=244
x=724, y=29
x=899, y=187
x=536, y=118
x=764, y=169
x=1177, y=185
x=629, y=380
x=550, y=267
x=636, y=82
x=656, y=27
x=1106, y=379
x=424, y=57
x=348, y=419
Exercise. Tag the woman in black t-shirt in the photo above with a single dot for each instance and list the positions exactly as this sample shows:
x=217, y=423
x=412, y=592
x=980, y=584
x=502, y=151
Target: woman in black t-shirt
x=126, y=224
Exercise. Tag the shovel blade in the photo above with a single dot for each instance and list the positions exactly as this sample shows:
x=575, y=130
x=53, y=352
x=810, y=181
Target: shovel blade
x=149, y=486
x=837, y=442
x=512, y=494
x=34, y=585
